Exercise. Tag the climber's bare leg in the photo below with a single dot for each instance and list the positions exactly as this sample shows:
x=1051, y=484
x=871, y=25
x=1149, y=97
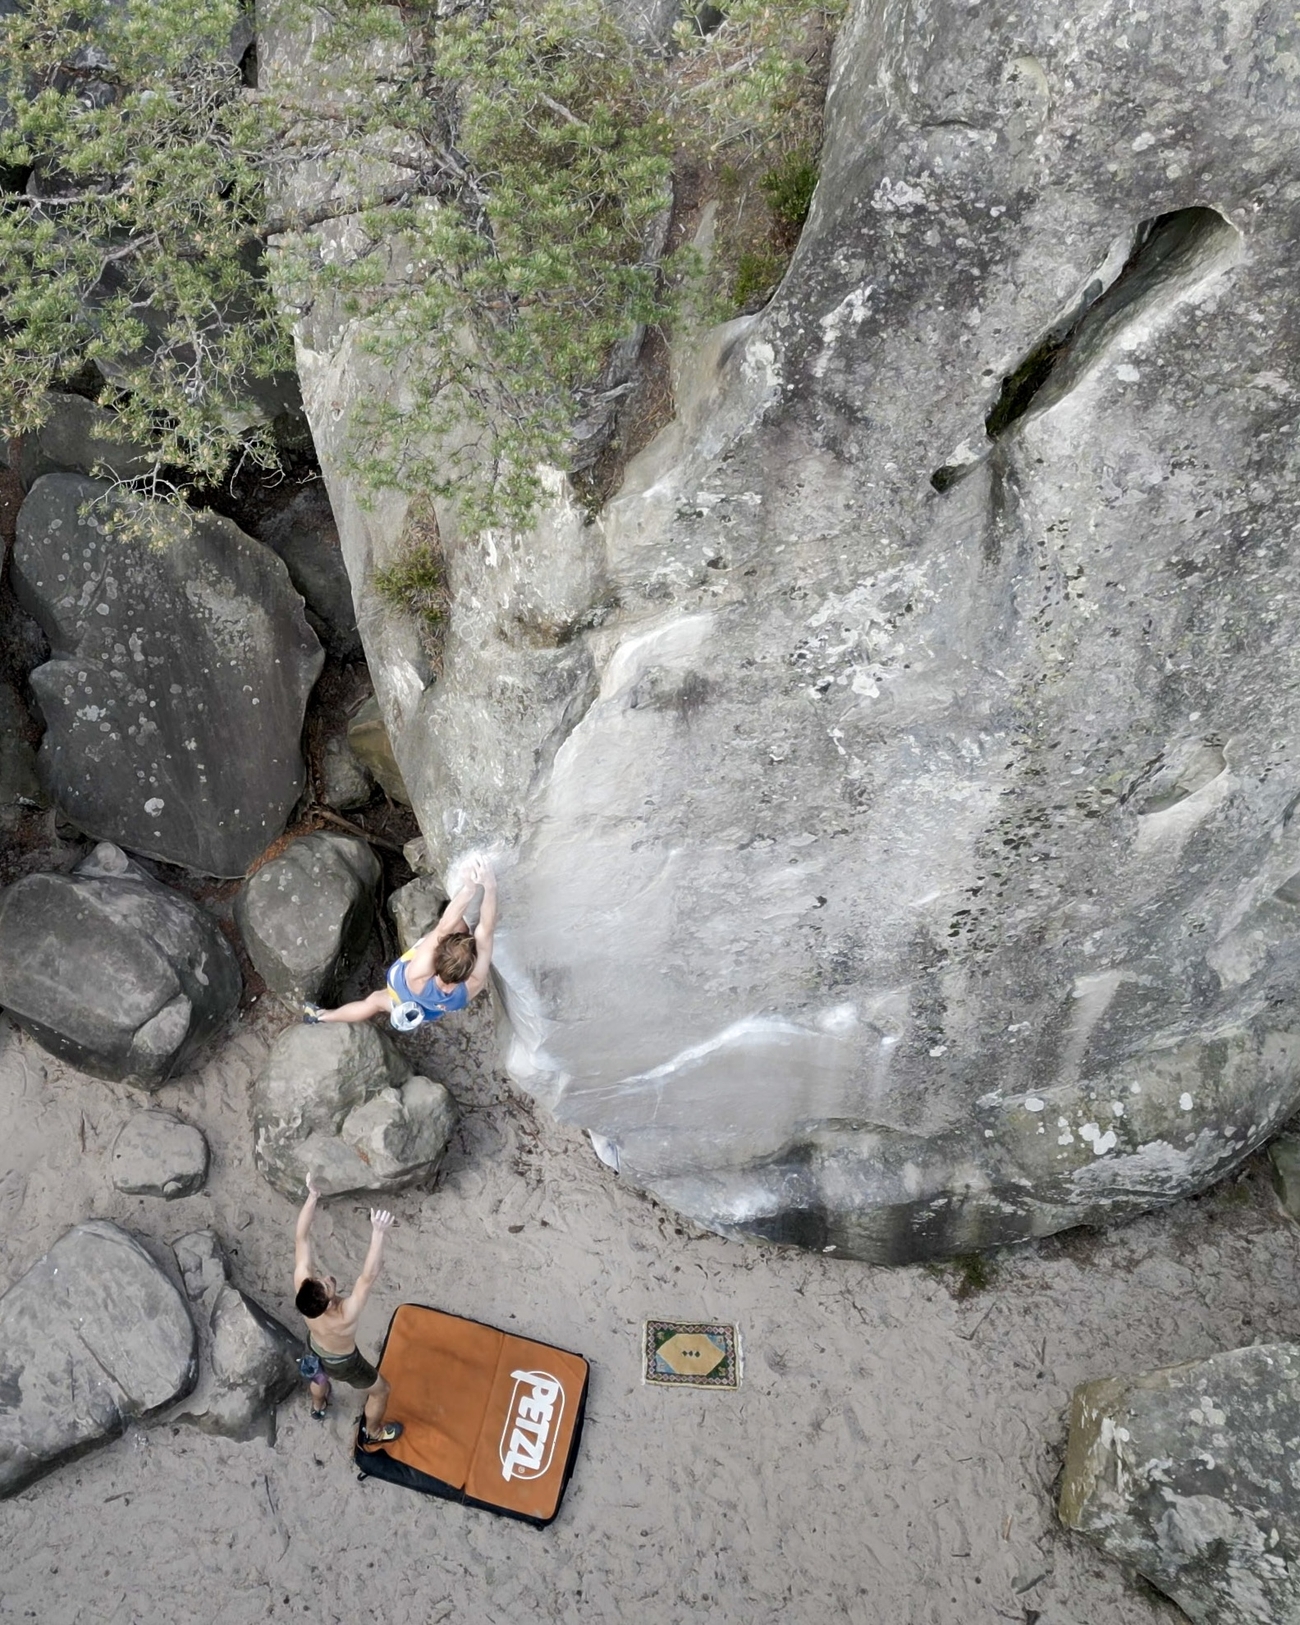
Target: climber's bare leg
x=377, y=1404
x=377, y=1004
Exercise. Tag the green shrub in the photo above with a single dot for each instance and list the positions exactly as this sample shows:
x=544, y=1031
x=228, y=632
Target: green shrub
x=414, y=582
x=748, y=100
x=973, y=1273
x=757, y=273
x=743, y=87
x=788, y=189
x=543, y=157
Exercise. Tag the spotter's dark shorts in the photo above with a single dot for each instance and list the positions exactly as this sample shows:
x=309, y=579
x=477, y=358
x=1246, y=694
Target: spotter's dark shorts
x=353, y=1369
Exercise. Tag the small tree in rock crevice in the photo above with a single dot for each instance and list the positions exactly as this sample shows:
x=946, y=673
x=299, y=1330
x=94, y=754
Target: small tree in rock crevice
x=493, y=176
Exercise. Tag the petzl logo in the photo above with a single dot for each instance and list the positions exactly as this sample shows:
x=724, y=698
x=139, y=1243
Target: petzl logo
x=532, y=1421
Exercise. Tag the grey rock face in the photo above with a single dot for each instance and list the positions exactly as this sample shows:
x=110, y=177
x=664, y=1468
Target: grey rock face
x=416, y=853
x=111, y=971
x=1284, y=1154
x=370, y=744
x=415, y=909
x=340, y=1102
x=180, y=666
x=248, y=1359
x=79, y=437
x=94, y=1333
x=20, y=789
x=156, y=1154
x=306, y=914
x=1188, y=1474
x=304, y=535
x=345, y=781
x=907, y=861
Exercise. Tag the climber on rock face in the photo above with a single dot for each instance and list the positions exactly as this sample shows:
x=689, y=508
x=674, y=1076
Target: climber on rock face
x=445, y=970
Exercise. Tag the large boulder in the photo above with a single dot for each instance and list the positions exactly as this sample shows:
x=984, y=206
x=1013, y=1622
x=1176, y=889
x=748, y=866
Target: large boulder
x=303, y=533
x=307, y=914
x=899, y=779
x=156, y=1154
x=1189, y=1475
x=180, y=667
x=109, y=970
x=248, y=1360
x=339, y=1101
x=79, y=437
x=93, y=1334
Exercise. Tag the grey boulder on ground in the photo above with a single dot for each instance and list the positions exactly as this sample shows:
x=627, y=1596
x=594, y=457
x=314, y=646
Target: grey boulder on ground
x=109, y=970
x=156, y=1154
x=339, y=1101
x=308, y=913
x=415, y=908
x=20, y=789
x=247, y=1359
x=1189, y=1474
x=372, y=747
x=304, y=535
x=179, y=671
x=93, y=1334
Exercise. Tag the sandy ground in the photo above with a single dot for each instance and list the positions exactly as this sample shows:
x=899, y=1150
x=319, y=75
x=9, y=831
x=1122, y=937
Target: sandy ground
x=890, y=1457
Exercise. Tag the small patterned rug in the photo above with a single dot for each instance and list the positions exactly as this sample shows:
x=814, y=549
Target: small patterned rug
x=681, y=1354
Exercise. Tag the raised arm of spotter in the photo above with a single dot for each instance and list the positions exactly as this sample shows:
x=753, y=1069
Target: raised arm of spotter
x=381, y=1222
x=302, y=1263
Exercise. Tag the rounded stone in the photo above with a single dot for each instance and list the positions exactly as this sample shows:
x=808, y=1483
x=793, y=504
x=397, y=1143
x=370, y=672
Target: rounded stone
x=156, y=1154
x=307, y=914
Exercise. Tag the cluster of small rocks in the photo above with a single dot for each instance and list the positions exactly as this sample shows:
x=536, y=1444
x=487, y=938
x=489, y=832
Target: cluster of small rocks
x=340, y=1101
x=171, y=683
x=172, y=693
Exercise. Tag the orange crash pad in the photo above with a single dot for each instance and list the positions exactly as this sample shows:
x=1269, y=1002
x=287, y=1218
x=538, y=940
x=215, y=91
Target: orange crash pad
x=489, y=1419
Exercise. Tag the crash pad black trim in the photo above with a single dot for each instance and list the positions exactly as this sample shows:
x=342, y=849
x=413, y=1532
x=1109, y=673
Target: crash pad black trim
x=379, y=1464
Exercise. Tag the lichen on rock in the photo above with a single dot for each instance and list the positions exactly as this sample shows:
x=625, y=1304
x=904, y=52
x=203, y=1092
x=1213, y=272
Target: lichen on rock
x=1187, y=1474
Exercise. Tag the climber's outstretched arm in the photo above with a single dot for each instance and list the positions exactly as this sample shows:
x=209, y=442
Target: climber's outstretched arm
x=482, y=875
x=420, y=964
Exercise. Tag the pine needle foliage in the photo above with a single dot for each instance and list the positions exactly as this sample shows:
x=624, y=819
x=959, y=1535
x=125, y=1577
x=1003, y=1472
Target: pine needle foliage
x=742, y=89
x=530, y=159
x=130, y=231
x=495, y=171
